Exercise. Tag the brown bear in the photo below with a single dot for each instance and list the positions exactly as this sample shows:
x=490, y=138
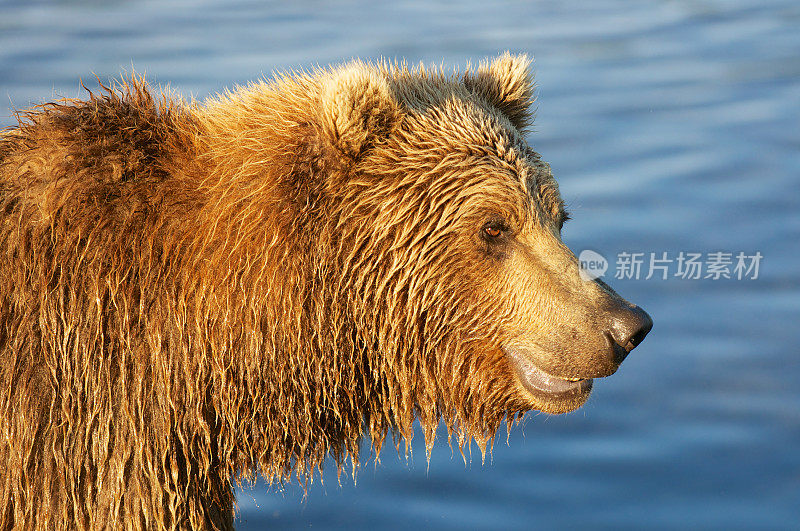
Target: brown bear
x=195, y=294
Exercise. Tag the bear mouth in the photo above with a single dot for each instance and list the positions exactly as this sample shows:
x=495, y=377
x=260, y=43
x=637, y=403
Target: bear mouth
x=543, y=384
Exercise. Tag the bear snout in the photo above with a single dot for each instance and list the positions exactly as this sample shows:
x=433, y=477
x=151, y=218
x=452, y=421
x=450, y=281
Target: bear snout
x=629, y=324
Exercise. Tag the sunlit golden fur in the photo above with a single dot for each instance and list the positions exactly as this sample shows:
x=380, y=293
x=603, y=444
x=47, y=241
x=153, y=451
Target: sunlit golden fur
x=192, y=294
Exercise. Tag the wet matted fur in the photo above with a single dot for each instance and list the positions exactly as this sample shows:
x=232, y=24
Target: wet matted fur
x=193, y=293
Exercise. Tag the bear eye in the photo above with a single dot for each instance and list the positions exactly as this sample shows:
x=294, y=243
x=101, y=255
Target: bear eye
x=493, y=230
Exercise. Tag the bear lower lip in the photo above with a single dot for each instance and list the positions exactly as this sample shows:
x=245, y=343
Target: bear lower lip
x=537, y=381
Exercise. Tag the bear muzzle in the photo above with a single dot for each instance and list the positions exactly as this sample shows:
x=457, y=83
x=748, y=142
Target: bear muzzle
x=557, y=384
x=537, y=381
x=629, y=326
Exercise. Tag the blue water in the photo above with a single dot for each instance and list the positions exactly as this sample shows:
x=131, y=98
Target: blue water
x=672, y=126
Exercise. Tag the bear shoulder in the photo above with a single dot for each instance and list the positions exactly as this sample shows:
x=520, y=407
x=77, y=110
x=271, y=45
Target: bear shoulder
x=109, y=151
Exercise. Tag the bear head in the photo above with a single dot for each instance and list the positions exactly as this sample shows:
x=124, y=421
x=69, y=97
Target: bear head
x=444, y=226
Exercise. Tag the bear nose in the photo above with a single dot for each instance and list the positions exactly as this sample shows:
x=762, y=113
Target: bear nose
x=628, y=328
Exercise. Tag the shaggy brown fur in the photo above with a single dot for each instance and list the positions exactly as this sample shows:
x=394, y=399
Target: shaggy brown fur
x=193, y=294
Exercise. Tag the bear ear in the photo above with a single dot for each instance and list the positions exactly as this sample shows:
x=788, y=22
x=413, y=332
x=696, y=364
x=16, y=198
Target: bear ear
x=357, y=109
x=507, y=83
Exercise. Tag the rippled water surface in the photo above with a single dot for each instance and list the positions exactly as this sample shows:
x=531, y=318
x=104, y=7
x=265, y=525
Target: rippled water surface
x=672, y=126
